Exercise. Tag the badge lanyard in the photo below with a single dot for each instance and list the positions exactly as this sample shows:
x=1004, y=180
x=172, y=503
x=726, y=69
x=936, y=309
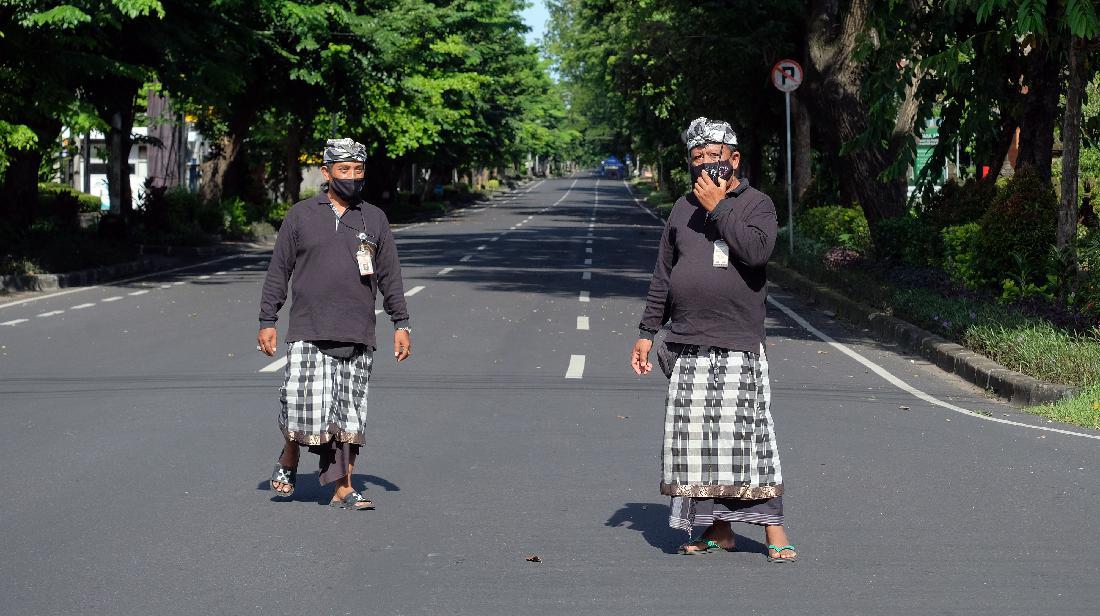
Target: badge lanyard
x=364, y=256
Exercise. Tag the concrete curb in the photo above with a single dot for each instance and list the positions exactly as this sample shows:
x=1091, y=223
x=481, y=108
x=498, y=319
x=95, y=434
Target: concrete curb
x=1016, y=387
x=162, y=257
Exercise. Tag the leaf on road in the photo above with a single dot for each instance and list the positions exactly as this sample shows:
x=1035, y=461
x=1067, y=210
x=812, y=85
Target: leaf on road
x=533, y=558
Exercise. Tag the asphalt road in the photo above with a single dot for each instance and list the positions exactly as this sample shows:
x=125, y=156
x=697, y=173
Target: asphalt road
x=140, y=430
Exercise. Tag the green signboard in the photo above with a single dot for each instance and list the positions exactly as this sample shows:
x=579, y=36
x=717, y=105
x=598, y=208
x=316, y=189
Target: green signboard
x=929, y=139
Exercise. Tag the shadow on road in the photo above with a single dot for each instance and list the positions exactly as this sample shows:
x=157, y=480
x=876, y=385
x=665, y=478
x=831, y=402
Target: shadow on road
x=652, y=521
x=307, y=488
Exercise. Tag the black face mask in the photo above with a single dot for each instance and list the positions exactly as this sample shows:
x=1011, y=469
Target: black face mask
x=349, y=189
x=720, y=169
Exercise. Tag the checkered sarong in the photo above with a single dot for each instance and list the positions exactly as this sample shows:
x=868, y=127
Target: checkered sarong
x=719, y=441
x=324, y=398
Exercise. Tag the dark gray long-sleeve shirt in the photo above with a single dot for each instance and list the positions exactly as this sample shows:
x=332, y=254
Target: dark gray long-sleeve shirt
x=708, y=305
x=331, y=300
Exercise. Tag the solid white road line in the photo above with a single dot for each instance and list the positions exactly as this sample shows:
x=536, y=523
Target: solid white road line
x=49, y=314
x=586, y=276
x=576, y=367
x=584, y=296
x=82, y=306
x=14, y=322
x=275, y=365
x=582, y=323
x=445, y=271
x=466, y=258
x=638, y=202
x=902, y=385
x=142, y=292
x=123, y=281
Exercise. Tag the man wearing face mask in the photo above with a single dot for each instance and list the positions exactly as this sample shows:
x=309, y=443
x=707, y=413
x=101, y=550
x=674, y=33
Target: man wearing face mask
x=720, y=460
x=341, y=254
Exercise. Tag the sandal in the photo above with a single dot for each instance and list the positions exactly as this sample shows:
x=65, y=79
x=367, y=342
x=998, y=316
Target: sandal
x=779, y=551
x=707, y=547
x=283, y=474
x=353, y=500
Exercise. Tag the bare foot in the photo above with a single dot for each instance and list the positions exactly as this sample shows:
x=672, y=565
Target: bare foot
x=777, y=536
x=288, y=458
x=719, y=532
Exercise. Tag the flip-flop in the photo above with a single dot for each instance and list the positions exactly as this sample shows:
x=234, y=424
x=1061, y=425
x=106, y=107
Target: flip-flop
x=777, y=550
x=283, y=474
x=710, y=546
x=353, y=501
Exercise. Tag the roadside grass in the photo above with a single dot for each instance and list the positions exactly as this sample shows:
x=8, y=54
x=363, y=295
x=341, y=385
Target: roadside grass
x=659, y=200
x=1021, y=342
x=1081, y=410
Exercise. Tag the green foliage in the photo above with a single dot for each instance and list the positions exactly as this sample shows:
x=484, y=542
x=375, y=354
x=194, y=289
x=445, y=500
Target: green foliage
x=1021, y=221
x=957, y=204
x=50, y=193
x=834, y=226
x=1080, y=410
x=961, y=260
x=907, y=239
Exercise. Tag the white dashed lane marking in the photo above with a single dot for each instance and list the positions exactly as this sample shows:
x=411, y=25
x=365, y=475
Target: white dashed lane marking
x=413, y=291
x=588, y=261
x=584, y=296
x=142, y=292
x=466, y=258
x=445, y=271
x=582, y=323
x=14, y=322
x=586, y=276
x=576, y=367
x=49, y=314
x=113, y=298
x=82, y=306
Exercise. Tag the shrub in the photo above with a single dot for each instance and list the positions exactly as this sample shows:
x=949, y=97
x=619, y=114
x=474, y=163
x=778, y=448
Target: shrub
x=493, y=184
x=961, y=259
x=1021, y=221
x=51, y=192
x=957, y=204
x=235, y=216
x=834, y=226
x=907, y=239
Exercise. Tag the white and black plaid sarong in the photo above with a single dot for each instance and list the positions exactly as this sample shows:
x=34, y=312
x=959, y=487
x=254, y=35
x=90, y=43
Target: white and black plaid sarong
x=324, y=398
x=719, y=441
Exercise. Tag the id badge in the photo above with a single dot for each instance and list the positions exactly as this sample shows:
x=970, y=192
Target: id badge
x=365, y=261
x=721, y=254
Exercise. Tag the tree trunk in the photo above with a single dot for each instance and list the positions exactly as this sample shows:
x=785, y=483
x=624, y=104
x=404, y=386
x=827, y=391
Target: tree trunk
x=226, y=175
x=292, y=186
x=1043, y=73
x=802, y=167
x=116, y=108
x=20, y=196
x=833, y=92
x=1071, y=151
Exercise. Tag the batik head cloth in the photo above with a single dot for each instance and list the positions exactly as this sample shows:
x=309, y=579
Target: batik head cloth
x=703, y=131
x=340, y=150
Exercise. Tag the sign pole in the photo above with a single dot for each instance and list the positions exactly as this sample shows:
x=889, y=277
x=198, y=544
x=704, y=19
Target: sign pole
x=790, y=197
x=786, y=77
